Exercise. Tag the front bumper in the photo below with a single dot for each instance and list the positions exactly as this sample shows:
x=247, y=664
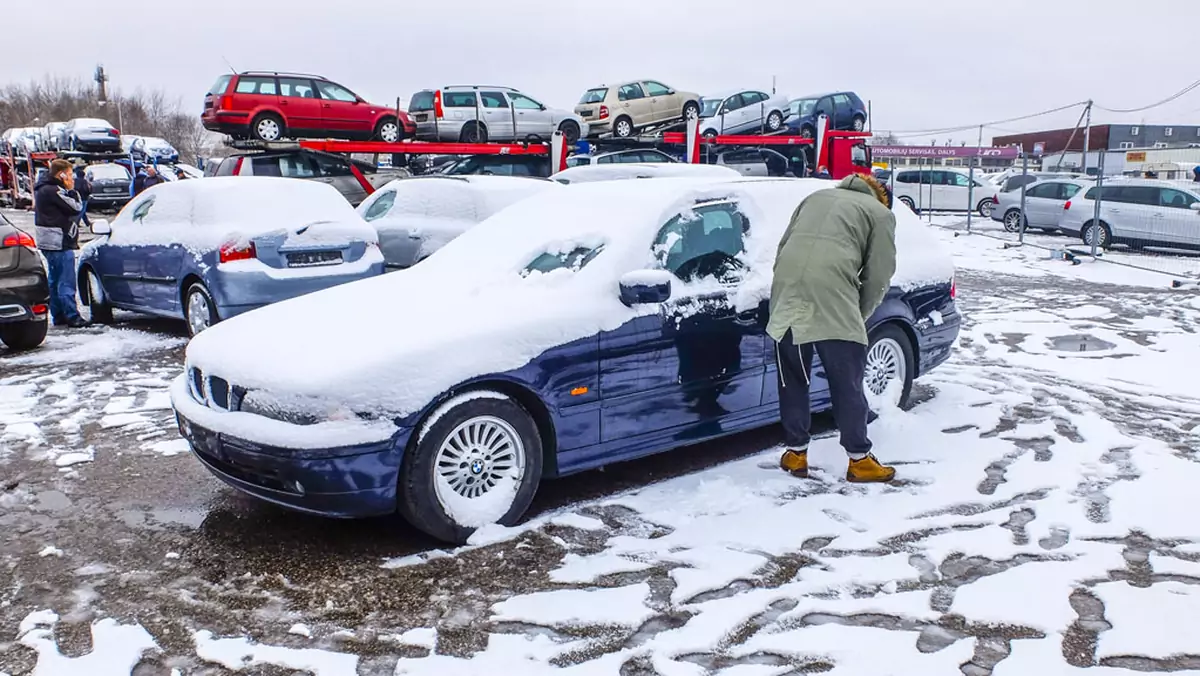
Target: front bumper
x=350, y=481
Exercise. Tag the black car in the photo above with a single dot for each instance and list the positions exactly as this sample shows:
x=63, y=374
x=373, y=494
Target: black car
x=24, y=292
x=537, y=166
x=349, y=176
x=110, y=186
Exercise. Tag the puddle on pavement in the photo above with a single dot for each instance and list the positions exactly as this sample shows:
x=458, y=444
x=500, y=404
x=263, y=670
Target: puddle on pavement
x=1079, y=342
x=158, y=518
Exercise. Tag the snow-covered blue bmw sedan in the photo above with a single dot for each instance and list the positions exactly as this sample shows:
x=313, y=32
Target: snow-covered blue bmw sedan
x=574, y=329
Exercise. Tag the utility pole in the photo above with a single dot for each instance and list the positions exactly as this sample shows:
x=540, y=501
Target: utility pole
x=102, y=84
x=1087, y=134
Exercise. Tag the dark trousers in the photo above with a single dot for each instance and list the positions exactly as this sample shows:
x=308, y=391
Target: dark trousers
x=83, y=217
x=845, y=364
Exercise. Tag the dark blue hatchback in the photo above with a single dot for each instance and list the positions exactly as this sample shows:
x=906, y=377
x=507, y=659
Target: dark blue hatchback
x=575, y=329
x=845, y=110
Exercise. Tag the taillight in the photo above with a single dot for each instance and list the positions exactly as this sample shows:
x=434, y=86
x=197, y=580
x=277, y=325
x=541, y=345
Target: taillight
x=19, y=239
x=114, y=132
x=237, y=166
x=233, y=252
x=40, y=309
x=603, y=112
x=953, y=289
x=1067, y=206
x=437, y=104
x=226, y=103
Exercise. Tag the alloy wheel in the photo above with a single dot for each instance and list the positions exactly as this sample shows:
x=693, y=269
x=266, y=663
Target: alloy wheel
x=480, y=460
x=1012, y=221
x=199, y=313
x=886, y=364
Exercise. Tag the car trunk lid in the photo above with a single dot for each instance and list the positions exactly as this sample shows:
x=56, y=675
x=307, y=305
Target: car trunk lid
x=316, y=244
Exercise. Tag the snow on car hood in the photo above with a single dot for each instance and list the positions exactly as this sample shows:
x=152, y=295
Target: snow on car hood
x=396, y=342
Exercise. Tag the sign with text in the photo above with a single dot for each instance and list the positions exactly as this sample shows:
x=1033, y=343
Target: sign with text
x=945, y=151
x=1135, y=156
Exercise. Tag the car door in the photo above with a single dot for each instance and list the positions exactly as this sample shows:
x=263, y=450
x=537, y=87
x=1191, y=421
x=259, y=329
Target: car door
x=699, y=359
x=664, y=103
x=632, y=100
x=119, y=260
x=532, y=117
x=747, y=162
x=843, y=112
x=299, y=102
x=732, y=115
x=1180, y=223
x=753, y=116
x=254, y=92
x=341, y=110
x=1139, y=215
x=498, y=115
x=1042, y=204
x=951, y=190
x=824, y=107
x=162, y=256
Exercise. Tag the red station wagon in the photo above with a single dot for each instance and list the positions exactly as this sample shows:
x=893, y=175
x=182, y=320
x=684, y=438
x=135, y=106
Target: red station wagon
x=268, y=106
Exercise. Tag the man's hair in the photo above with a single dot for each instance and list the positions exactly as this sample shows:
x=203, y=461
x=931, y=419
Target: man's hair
x=59, y=166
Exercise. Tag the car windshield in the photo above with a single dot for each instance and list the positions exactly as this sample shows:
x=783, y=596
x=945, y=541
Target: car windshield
x=594, y=95
x=709, y=107
x=573, y=260
x=220, y=85
x=802, y=107
x=577, y=160
x=107, y=172
x=421, y=101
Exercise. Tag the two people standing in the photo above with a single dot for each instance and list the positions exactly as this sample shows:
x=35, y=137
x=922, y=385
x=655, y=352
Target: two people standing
x=57, y=212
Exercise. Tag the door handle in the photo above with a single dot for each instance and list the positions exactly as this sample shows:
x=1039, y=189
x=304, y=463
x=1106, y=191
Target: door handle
x=283, y=102
x=1159, y=215
x=327, y=105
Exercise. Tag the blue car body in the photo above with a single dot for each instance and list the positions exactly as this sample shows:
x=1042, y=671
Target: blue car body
x=655, y=383
x=842, y=109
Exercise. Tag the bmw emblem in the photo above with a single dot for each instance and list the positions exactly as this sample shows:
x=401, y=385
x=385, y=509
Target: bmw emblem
x=476, y=467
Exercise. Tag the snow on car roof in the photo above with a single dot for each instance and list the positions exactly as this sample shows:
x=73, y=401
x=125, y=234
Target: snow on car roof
x=468, y=311
x=469, y=199
x=92, y=122
x=586, y=173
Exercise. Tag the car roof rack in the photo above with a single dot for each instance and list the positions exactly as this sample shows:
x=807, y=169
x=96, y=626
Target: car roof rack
x=281, y=72
x=499, y=87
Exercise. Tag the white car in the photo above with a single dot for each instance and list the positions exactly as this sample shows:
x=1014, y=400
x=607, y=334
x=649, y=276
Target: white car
x=574, y=329
x=417, y=216
x=742, y=111
x=1044, y=200
x=1137, y=213
x=640, y=156
x=943, y=189
x=611, y=172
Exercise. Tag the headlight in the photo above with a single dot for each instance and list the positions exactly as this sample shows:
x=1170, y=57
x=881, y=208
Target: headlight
x=297, y=409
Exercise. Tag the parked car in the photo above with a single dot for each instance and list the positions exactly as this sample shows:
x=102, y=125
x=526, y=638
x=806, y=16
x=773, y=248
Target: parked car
x=87, y=134
x=1136, y=213
x=589, y=173
x=641, y=156
x=152, y=149
x=269, y=106
x=943, y=190
x=205, y=251
x=51, y=133
x=22, y=141
x=845, y=110
x=743, y=111
x=24, y=293
x=761, y=162
x=111, y=186
x=626, y=108
x=352, y=178
x=536, y=166
x=415, y=217
x=480, y=113
x=1044, y=202
x=589, y=325
x=1015, y=181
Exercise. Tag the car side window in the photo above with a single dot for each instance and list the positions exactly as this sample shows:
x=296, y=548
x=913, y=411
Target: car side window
x=628, y=158
x=382, y=204
x=331, y=166
x=459, y=99
x=841, y=100
x=703, y=244
x=959, y=180
x=907, y=177
x=256, y=85
x=1044, y=190
x=630, y=92
x=656, y=88
x=573, y=260
x=607, y=159
x=733, y=103
x=297, y=88
x=1068, y=191
x=335, y=92
x=493, y=100
x=285, y=166
x=1176, y=199
x=1140, y=194
x=652, y=156
x=522, y=102
x=753, y=97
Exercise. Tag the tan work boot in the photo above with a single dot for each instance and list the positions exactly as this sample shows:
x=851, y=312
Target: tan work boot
x=868, y=470
x=795, y=463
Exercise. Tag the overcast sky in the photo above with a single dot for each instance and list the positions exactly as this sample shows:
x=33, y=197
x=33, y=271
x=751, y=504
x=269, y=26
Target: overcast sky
x=923, y=64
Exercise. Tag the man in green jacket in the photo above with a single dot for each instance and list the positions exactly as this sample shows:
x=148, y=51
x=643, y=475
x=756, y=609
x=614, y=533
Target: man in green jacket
x=833, y=269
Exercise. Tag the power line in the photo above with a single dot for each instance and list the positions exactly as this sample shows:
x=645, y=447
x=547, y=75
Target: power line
x=951, y=130
x=1163, y=102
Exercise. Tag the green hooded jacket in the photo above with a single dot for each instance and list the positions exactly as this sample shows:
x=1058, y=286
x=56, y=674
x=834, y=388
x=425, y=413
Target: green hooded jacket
x=835, y=264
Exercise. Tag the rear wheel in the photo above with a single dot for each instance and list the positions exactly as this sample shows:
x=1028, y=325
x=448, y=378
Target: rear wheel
x=860, y=123
x=907, y=201
x=891, y=367
x=478, y=463
x=1012, y=220
x=570, y=131
x=93, y=297
x=267, y=127
x=985, y=207
x=199, y=309
x=623, y=127
x=691, y=110
x=388, y=130
x=807, y=132
x=473, y=132
x=23, y=335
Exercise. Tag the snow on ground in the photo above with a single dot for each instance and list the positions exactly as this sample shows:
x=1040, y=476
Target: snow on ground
x=1042, y=523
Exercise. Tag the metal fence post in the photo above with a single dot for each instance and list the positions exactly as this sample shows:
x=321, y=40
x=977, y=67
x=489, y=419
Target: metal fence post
x=970, y=191
x=920, y=186
x=1024, y=185
x=1099, y=198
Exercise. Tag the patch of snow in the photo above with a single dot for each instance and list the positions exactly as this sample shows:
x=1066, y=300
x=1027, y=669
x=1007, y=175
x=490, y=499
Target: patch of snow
x=111, y=344
x=172, y=555
x=237, y=654
x=116, y=648
x=574, y=520
x=891, y=652
x=422, y=636
x=50, y=550
x=609, y=606
x=1148, y=621
x=300, y=630
x=76, y=458
x=453, y=402
x=169, y=447
x=578, y=568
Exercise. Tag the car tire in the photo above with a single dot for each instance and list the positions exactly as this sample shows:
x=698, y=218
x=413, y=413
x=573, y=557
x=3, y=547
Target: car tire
x=473, y=132
x=446, y=490
x=623, y=127
x=985, y=207
x=691, y=110
x=859, y=124
x=23, y=335
x=1012, y=220
x=267, y=127
x=1091, y=230
x=807, y=132
x=709, y=133
x=92, y=294
x=907, y=201
x=890, y=355
x=570, y=131
x=199, y=310
x=775, y=121
x=388, y=130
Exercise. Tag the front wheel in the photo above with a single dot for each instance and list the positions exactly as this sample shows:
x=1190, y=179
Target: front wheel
x=23, y=335
x=93, y=297
x=891, y=367
x=388, y=130
x=1097, y=234
x=907, y=201
x=478, y=463
x=199, y=309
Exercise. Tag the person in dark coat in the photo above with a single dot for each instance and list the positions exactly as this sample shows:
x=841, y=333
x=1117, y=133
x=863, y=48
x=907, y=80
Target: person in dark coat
x=147, y=180
x=56, y=227
x=84, y=187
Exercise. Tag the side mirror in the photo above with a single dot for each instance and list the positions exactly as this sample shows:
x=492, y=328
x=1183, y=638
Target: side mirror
x=1195, y=206
x=642, y=287
x=101, y=227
